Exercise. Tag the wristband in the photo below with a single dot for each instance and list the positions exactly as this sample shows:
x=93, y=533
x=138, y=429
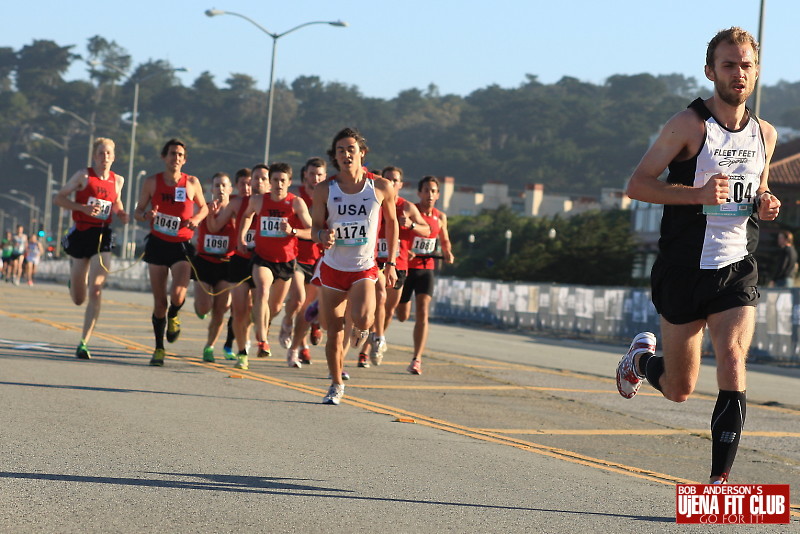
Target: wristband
x=319, y=239
x=413, y=225
x=393, y=264
x=294, y=231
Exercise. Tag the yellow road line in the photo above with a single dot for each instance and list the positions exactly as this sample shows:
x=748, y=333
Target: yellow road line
x=633, y=432
x=483, y=435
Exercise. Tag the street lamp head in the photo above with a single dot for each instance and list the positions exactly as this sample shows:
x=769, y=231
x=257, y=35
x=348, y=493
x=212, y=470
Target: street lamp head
x=180, y=69
x=214, y=12
x=24, y=155
x=36, y=136
x=55, y=110
x=29, y=167
x=340, y=23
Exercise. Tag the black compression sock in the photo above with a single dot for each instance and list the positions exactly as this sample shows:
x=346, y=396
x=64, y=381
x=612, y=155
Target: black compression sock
x=231, y=336
x=173, y=309
x=727, y=423
x=159, y=327
x=652, y=367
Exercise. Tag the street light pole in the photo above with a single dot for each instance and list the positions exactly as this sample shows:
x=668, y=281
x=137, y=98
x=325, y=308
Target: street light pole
x=275, y=37
x=34, y=209
x=757, y=99
x=48, y=195
x=132, y=153
x=65, y=147
x=88, y=124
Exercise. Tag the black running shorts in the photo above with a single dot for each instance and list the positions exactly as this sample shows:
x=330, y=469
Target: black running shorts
x=684, y=294
x=307, y=270
x=239, y=269
x=419, y=281
x=86, y=243
x=280, y=270
x=208, y=271
x=160, y=252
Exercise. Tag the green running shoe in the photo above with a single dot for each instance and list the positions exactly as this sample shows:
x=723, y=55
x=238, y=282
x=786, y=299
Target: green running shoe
x=173, y=329
x=242, y=361
x=208, y=354
x=82, y=352
x=158, y=358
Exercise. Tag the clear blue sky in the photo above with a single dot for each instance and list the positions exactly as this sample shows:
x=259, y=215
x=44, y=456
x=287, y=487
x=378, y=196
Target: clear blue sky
x=390, y=46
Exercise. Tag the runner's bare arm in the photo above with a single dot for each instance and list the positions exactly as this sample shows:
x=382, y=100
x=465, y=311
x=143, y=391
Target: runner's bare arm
x=391, y=228
x=145, y=197
x=199, y=203
x=301, y=209
x=119, y=208
x=319, y=215
x=63, y=198
x=413, y=215
x=679, y=140
x=768, y=204
x=253, y=207
x=444, y=239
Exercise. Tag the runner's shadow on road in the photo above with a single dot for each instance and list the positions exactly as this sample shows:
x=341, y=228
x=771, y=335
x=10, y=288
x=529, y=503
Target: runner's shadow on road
x=117, y=390
x=297, y=487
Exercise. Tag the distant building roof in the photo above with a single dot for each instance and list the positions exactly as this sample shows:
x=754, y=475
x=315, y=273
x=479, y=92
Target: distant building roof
x=785, y=166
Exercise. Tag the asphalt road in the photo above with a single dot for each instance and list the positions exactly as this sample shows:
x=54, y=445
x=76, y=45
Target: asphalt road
x=501, y=433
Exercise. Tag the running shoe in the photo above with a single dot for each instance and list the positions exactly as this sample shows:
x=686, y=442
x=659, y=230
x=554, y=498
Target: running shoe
x=316, y=334
x=311, y=312
x=377, y=351
x=173, y=329
x=335, y=394
x=228, y=351
x=357, y=336
x=264, y=350
x=285, y=336
x=242, y=361
x=208, y=354
x=292, y=360
x=305, y=356
x=628, y=379
x=158, y=358
x=415, y=367
x=363, y=361
x=82, y=352
x=201, y=316
x=345, y=376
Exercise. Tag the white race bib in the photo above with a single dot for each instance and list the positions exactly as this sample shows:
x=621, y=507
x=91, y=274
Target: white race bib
x=105, y=207
x=180, y=194
x=383, y=248
x=215, y=244
x=271, y=226
x=166, y=224
x=350, y=234
x=743, y=189
x=423, y=246
x=250, y=238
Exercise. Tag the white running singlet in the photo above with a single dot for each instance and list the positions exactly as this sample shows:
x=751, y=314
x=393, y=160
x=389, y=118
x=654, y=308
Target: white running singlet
x=712, y=237
x=354, y=220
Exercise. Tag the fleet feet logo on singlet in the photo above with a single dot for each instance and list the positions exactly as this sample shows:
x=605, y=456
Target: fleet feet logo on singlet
x=729, y=158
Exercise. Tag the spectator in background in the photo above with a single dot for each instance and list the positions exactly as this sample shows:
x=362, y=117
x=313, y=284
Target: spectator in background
x=786, y=261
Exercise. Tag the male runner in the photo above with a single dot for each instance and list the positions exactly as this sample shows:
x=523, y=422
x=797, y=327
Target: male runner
x=303, y=292
x=89, y=242
x=346, y=213
x=718, y=156
x=281, y=217
x=240, y=267
x=215, y=244
x=420, y=280
x=242, y=182
x=411, y=224
x=176, y=208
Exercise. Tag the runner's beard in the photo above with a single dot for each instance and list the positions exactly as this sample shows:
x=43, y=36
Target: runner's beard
x=730, y=97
